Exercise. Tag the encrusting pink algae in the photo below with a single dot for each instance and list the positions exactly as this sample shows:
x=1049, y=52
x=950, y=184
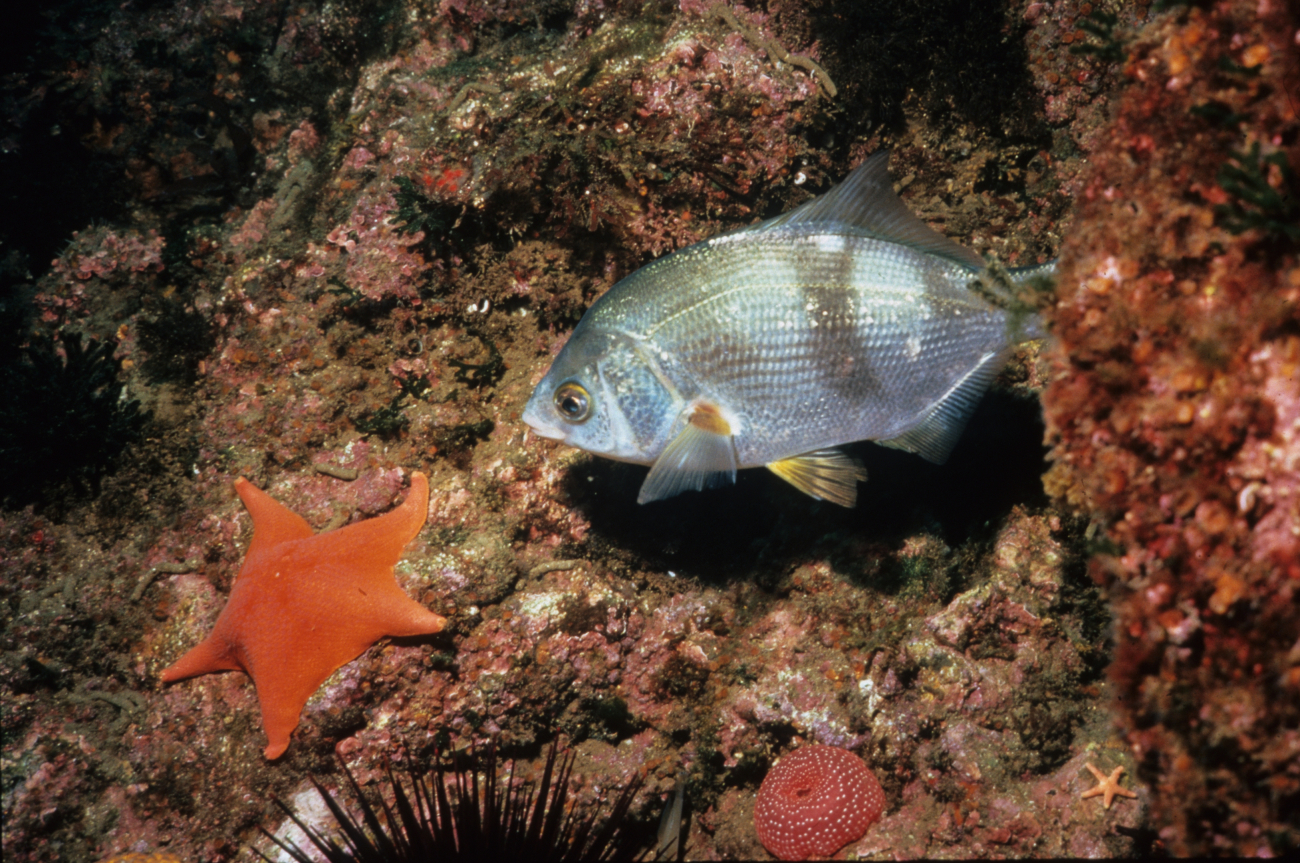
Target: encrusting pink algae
x=331, y=245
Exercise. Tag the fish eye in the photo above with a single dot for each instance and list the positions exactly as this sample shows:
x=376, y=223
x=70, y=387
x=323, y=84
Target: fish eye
x=572, y=401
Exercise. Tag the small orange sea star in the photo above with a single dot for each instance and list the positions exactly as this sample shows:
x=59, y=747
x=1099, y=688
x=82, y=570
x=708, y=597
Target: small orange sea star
x=1108, y=786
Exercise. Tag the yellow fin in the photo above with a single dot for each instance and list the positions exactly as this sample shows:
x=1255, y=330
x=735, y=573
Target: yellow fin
x=701, y=456
x=826, y=474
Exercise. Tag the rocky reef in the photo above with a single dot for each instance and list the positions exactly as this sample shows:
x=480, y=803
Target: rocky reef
x=1174, y=413
x=333, y=244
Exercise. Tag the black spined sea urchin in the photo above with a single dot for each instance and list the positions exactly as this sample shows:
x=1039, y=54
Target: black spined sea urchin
x=449, y=815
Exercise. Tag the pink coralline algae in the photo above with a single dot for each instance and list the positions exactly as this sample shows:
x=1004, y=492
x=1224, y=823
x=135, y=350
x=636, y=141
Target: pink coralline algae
x=103, y=252
x=97, y=254
x=380, y=260
x=253, y=229
x=303, y=142
x=816, y=801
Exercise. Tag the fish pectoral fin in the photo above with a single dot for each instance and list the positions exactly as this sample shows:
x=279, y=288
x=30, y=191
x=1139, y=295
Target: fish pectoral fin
x=826, y=474
x=701, y=456
x=935, y=436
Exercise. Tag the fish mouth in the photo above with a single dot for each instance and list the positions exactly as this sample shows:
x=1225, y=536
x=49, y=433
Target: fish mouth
x=548, y=432
x=541, y=427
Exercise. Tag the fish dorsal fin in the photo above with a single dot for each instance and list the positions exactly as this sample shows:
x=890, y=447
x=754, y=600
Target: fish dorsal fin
x=935, y=436
x=701, y=456
x=867, y=202
x=826, y=474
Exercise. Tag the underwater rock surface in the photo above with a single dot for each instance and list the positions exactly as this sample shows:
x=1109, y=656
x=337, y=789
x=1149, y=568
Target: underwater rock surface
x=1175, y=417
x=334, y=244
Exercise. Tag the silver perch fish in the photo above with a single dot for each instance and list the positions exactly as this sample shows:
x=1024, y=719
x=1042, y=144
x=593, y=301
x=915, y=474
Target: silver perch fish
x=845, y=319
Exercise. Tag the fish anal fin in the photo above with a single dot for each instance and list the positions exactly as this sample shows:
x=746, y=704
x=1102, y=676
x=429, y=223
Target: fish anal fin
x=701, y=456
x=826, y=474
x=935, y=436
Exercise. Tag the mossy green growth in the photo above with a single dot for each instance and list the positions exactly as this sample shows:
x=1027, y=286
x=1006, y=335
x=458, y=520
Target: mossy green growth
x=415, y=212
x=389, y=420
x=1260, y=204
x=1101, y=25
x=64, y=418
x=1218, y=113
x=481, y=374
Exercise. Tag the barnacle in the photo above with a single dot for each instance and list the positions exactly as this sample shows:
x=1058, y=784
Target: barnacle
x=63, y=418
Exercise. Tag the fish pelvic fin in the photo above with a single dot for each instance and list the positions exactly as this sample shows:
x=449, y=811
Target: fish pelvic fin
x=934, y=437
x=702, y=456
x=825, y=474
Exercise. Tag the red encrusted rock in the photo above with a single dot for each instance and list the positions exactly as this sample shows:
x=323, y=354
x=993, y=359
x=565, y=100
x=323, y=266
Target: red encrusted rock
x=1176, y=357
x=815, y=801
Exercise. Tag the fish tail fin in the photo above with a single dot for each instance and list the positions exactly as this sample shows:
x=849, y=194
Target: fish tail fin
x=1020, y=292
x=1037, y=282
x=1034, y=273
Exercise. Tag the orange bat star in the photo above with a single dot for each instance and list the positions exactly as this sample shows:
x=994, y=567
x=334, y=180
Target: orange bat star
x=305, y=604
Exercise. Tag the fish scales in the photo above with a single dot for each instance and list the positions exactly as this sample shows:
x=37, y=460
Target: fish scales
x=813, y=339
x=846, y=319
